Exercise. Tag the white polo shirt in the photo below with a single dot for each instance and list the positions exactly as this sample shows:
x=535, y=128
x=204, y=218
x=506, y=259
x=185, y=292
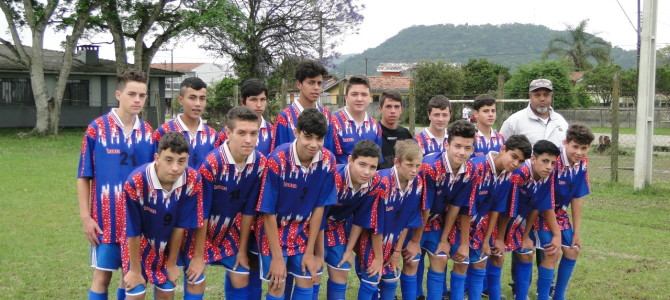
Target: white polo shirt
x=526, y=122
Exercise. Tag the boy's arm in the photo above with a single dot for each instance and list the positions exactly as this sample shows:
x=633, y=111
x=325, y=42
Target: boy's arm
x=396, y=257
x=452, y=215
x=550, y=219
x=174, y=245
x=577, y=206
x=277, y=266
x=134, y=276
x=499, y=241
x=89, y=226
x=309, y=262
x=245, y=232
x=527, y=243
x=413, y=246
x=351, y=243
x=463, y=251
x=493, y=220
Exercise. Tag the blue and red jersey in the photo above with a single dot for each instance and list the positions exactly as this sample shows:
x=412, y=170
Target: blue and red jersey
x=265, y=135
x=287, y=120
x=292, y=191
x=361, y=207
x=429, y=143
x=107, y=157
x=483, y=145
x=153, y=213
x=200, y=142
x=229, y=192
x=401, y=209
x=571, y=182
x=346, y=133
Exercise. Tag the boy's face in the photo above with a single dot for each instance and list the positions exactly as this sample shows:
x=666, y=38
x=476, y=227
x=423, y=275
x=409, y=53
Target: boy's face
x=391, y=111
x=362, y=168
x=407, y=168
x=486, y=115
x=511, y=159
x=132, y=97
x=257, y=103
x=308, y=144
x=358, y=98
x=193, y=102
x=170, y=165
x=243, y=138
x=439, y=118
x=575, y=152
x=310, y=88
x=543, y=164
x=459, y=149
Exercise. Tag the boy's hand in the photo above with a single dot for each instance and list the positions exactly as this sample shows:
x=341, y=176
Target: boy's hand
x=486, y=249
x=555, y=245
x=242, y=259
x=91, y=230
x=443, y=248
x=277, y=274
x=348, y=256
x=576, y=241
x=195, y=268
x=462, y=253
x=376, y=267
x=173, y=273
x=411, y=251
x=310, y=264
x=498, y=247
x=133, y=279
x=527, y=243
x=396, y=258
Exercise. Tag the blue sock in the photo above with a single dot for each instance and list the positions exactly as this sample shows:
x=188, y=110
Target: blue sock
x=315, y=291
x=457, y=286
x=255, y=285
x=336, y=291
x=565, y=269
x=189, y=296
x=419, y=276
x=288, y=288
x=475, y=283
x=544, y=278
x=300, y=293
x=523, y=272
x=388, y=290
x=367, y=291
x=120, y=294
x=435, y=285
x=270, y=297
x=493, y=279
x=235, y=293
x=408, y=286
x=99, y=296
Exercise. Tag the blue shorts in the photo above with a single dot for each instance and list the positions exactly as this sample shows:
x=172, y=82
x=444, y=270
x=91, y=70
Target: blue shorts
x=140, y=289
x=228, y=263
x=388, y=275
x=334, y=256
x=474, y=255
x=293, y=267
x=430, y=240
x=106, y=257
x=543, y=237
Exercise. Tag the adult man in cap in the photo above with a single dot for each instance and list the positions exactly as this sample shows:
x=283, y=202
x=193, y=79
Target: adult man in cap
x=538, y=121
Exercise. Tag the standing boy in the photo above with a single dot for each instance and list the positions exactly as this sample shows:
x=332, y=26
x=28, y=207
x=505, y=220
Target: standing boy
x=434, y=137
x=487, y=138
x=390, y=107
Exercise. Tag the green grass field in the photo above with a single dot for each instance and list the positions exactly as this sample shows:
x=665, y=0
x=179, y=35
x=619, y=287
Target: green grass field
x=657, y=131
x=43, y=254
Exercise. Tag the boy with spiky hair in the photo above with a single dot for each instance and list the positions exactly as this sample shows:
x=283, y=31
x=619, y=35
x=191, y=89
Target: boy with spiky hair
x=434, y=137
x=162, y=199
x=299, y=181
x=487, y=138
x=357, y=208
x=113, y=146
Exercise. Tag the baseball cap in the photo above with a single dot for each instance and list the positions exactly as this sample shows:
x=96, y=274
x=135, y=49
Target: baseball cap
x=540, y=84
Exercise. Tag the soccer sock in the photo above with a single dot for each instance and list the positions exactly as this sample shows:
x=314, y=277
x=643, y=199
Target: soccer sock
x=544, y=278
x=388, y=290
x=98, y=296
x=475, y=283
x=255, y=285
x=300, y=293
x=435, y=285
x=120, y=294
x=189, y=296
x=367, y=291
x=564, y=273
x=419, y=276
x=270, y=297
x=457, y=286
x=493, y=279
x=522, y=274
x=288, y=288
x=408, y=286
x=315, y=291
x=336, y=291
x=232, y=292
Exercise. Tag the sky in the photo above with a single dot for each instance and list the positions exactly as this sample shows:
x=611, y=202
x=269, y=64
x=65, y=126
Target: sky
x=385, y=18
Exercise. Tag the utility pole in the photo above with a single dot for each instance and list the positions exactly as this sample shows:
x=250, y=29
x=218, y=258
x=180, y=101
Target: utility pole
x=645, y=98
x=366, y=66
x=500, y=94
x=614, y=154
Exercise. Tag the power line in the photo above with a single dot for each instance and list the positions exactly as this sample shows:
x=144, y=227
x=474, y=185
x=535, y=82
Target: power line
x=626, y=14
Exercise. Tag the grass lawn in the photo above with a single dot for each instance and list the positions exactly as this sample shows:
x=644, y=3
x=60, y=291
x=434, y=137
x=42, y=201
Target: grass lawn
x=43, y=254
x=657, y=131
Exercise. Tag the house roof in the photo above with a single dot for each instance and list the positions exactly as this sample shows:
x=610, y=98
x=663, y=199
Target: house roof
x=383, y=83
x=178, y=67
x=53, y=62
x=395, y=67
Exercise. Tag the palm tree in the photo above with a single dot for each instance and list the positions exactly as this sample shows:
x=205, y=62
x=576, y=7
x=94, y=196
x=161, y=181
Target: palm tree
x=579, y=47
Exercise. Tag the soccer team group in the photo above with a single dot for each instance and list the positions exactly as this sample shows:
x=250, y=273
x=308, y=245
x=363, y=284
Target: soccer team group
x=331, y=191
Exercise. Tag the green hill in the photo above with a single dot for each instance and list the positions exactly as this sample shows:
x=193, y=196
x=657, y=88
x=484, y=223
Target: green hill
x=509, y=44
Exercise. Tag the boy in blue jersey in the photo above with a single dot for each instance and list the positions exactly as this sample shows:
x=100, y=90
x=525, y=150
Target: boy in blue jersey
x=231, y=176
x=487, y=227
x=434, y=137
x=487, y=138
x=357, y=208
x=571, y=186
x=533, y=194
x=112, y=147
x=401, y=202
x=162, y=199
x=352, y=123
x=299, y=181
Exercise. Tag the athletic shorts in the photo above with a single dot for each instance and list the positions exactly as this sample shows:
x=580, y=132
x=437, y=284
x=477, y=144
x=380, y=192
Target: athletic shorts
x=140, y=289
x=430, y=240
x=474, y=255
x=388, y=275
x=543, y=237
x=106, y=257
x=293, y=266
x=334, y=255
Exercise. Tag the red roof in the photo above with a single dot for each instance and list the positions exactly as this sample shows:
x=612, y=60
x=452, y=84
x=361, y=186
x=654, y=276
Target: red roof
x=398, y=83
x=179, y=67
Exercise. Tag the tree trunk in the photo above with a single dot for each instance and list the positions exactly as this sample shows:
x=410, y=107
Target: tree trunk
x=38, y=83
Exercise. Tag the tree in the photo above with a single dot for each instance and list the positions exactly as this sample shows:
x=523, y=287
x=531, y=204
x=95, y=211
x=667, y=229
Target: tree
x=221, y=98
x=579, y=47
x=663, y=80
x=629, y=84
x=434, y=78
x=599, y=81
x=38, y=17
x=258, y=34
x=517, y=85
x=481, y=77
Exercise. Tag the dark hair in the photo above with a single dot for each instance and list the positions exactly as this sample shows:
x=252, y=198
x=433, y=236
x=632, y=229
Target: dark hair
x=365, y=148
x=519, y=142
x=252, y=87
x=312, y=121
x=309, y=69
x=128, y=76
x=356, y=79
x=484, y=100
x=392, y=95
x=461, y=128
x=544, y=146
x=191, y=82
x=439, y=102
x=174, y=141
x=579, y=133
x=240, y=113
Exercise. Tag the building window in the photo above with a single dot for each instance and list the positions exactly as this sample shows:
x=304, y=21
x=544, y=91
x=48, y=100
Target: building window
x=76, y=93
x=16, y=91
